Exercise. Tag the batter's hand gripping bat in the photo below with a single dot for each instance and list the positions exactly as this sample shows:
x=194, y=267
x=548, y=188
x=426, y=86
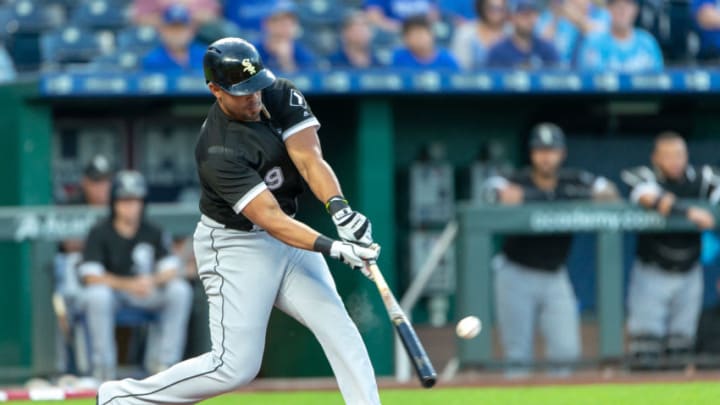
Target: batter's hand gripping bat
x=414, y=348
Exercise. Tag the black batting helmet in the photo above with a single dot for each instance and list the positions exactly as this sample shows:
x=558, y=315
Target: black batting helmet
x=235, y=65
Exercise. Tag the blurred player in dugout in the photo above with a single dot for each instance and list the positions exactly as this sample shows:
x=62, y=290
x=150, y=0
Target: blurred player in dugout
x=127, y=263
x=666, y=286
x=532, y=286
x=94, y=191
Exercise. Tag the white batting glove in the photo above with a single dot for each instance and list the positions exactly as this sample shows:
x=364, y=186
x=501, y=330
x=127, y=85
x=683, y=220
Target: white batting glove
x=353, y=255
x=353, y=226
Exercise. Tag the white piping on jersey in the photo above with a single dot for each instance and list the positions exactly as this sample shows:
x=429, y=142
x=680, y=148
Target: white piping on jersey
x=310, y=122
x=91, y=269
x=249, y=196
x=644, y=188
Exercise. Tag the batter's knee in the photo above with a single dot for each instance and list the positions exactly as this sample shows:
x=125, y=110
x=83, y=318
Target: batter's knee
x=235, y=374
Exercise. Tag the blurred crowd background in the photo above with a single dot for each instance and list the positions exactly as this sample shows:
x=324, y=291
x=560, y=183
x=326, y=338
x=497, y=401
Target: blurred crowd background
x=169, y=35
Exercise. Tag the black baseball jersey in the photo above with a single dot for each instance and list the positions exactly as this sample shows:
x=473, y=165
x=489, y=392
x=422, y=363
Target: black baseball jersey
x=546, y=252
x=237, y=160
x=122, y=256
x=677, y=252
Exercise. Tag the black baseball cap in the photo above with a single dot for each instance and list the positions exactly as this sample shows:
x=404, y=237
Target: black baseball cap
x=98, y=168
x=547, y=136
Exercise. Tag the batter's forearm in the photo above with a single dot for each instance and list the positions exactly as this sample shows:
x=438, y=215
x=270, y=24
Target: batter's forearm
x=322, y=180
x=293, y=233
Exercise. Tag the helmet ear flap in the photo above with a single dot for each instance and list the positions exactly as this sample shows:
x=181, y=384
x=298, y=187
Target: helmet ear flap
x=235, y=65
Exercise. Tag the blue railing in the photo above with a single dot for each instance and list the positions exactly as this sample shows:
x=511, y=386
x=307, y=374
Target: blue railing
x=680, y=81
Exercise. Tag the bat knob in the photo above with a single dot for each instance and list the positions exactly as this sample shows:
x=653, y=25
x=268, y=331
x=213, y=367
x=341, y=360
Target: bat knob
x=429, y=382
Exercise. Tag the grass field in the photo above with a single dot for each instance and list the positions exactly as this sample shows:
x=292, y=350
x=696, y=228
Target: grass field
x=694, y=393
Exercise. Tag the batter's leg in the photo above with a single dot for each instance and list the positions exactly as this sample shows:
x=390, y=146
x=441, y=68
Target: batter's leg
x=241, y=273
x=515, y=307
x=308, y=294
x=560, y=322
x=99, y=302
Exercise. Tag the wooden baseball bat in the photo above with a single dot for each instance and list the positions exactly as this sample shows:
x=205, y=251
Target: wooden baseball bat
x=414, y=348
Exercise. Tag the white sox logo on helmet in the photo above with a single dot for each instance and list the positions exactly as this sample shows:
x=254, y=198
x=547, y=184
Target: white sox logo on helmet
x=248, y=66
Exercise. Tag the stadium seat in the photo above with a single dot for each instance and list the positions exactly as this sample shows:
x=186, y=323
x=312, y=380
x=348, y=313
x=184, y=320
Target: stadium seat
x=137, y=38
x=70, y=45
x=320, y=12
x=33, y=17
x=120, y=61
x=100, y=14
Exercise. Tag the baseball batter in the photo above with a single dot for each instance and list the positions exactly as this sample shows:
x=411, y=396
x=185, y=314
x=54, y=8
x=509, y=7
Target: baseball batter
x=258, y=143
x=532, y=286
x=666, y=285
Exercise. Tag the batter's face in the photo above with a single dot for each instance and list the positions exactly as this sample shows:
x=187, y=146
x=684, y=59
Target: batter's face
x=240, y=108
x=671, y=157
x=128, y=209
x=547, y=161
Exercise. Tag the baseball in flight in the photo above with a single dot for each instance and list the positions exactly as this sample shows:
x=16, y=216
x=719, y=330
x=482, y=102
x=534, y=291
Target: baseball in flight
x=468, y=327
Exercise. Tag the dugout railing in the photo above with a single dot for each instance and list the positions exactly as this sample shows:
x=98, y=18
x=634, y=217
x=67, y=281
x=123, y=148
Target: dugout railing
x=480, y=224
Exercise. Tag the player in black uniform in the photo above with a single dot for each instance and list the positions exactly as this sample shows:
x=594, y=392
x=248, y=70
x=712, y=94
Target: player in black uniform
x=257, y=145
x=665, y=294
x=531, y=281
x=126, y=263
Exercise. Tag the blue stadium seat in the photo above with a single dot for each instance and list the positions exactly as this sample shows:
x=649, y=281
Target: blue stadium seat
x=70, y=45
x=120, y=61
x=137, y=38
x=33, y=17
x=320, y=12
x=99, y=14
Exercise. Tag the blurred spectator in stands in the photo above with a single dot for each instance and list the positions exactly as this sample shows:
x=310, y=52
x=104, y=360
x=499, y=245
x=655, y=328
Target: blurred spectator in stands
x=523, y=48
x=7, y=68
x=151, y=12
x=666, y=283
x=472, y=40
x=566, y=22
x=532, y=287
x=355, y=49
x=279, y=49
x=388, y=15
x=94, y=191
x=249, y=14
x=127, y=262
x=624, y=48
x=460, y=11
x=419, y=50
x=178, y=51
x=706, y=14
